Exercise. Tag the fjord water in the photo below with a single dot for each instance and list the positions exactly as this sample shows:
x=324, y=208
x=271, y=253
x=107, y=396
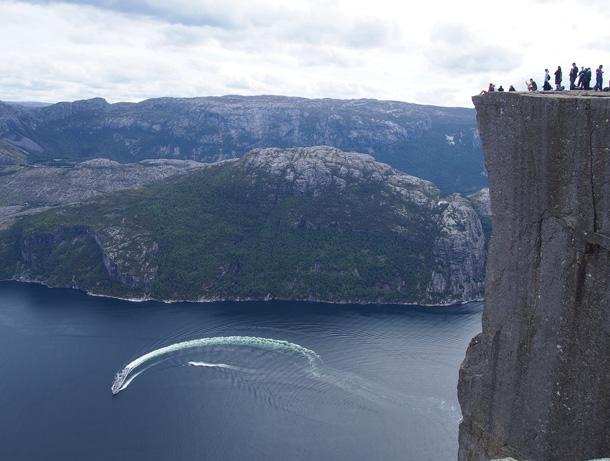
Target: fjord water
x=304, y=381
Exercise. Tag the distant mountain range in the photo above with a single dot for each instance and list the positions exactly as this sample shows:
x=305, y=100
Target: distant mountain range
x=28, y=104
x=438, y=144
x=313, y=224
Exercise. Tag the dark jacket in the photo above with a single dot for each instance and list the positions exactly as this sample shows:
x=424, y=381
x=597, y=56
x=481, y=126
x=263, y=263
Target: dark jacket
x=558, y=76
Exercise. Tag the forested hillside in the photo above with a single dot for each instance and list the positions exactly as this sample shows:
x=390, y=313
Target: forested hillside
x=315, y=224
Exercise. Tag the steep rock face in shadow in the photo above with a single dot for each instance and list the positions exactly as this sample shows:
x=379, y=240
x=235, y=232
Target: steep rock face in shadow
x=535, y=384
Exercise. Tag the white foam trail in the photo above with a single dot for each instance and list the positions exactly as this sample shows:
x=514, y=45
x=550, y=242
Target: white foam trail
x=121, y=382
x=214, y=365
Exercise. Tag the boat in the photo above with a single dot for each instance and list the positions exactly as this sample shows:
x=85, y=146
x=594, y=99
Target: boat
x=119, y=380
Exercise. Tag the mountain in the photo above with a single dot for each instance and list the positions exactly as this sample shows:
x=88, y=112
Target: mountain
x=301, y=223
x=28, y=104
x=439, y=144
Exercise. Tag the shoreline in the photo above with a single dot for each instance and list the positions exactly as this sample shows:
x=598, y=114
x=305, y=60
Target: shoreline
x=242, y=300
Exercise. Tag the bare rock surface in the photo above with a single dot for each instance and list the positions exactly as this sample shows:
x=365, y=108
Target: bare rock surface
x=535, y=384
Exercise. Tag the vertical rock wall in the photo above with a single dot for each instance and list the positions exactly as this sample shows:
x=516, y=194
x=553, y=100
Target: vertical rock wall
x=535, y=384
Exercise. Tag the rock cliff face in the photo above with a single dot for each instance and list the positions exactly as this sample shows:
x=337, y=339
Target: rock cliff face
x=535, y=384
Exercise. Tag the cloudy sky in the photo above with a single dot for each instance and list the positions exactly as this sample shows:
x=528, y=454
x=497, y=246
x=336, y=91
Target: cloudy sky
x=429, y=52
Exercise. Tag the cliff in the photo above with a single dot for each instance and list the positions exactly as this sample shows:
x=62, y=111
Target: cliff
x=535, y=384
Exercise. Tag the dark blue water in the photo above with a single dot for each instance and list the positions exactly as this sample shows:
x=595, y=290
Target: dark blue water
x=383, y=385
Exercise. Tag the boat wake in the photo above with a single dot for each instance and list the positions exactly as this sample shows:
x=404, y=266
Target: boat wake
x=216, y=365
x=125, y=376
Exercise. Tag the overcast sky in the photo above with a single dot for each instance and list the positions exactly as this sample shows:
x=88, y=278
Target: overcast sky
x=428, y=52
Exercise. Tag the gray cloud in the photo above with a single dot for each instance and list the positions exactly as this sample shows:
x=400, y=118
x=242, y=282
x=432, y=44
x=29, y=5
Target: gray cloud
x=310, y=56
x=452, y=33
x=236, y=20
x=368, y=33
x=483, y=59
x=455, y=48
x=183, y=36
x=225, y=15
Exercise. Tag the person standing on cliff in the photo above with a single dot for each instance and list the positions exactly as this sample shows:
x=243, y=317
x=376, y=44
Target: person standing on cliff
x=599, y=78
x=558, y=78
x=573, y=75
x=581, y=78
x=588, y=79
x=546, y=86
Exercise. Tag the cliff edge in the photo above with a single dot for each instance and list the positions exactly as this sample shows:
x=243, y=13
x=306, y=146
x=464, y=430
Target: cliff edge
x=535, y=384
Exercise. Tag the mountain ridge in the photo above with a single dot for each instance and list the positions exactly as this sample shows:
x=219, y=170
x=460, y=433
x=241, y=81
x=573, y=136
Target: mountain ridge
x=435, y=143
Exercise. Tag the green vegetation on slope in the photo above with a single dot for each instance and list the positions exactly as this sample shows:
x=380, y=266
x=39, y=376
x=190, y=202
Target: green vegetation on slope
x=218, y=233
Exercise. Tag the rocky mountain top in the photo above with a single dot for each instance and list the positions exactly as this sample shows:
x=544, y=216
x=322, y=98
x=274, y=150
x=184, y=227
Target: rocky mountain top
x=306, y=170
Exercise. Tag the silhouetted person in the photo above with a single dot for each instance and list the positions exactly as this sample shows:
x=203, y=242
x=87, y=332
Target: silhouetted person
x=588, y=79
x=573, y=75
x=581, y=78
x=558, y=78
x=599, y=78
x=511, y=88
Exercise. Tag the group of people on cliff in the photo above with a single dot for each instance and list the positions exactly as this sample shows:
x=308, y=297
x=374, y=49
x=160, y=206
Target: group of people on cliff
x=583, y=75
x=579, y=80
